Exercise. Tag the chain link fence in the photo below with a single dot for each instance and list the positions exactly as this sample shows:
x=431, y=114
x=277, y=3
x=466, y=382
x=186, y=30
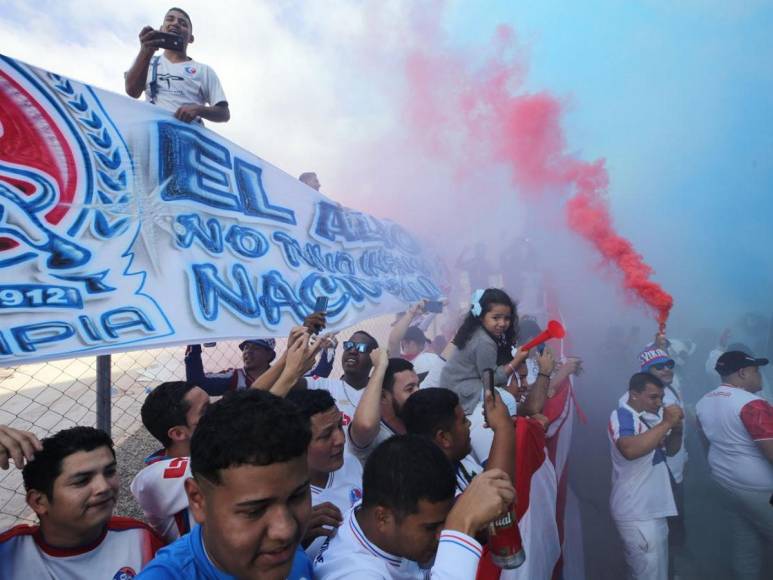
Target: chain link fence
x=46, y=397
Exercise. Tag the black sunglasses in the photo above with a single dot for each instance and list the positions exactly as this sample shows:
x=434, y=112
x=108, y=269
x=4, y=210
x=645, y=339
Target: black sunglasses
x=665, y=365
x=359, y=346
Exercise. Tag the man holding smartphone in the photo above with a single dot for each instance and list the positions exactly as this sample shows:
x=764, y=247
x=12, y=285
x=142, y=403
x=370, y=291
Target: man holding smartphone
x=173, y=80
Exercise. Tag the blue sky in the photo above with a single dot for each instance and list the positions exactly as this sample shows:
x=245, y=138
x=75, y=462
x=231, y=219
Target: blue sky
x=678, y=97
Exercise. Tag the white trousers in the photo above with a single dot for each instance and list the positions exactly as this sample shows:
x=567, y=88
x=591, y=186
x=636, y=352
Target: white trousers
x=646, y=548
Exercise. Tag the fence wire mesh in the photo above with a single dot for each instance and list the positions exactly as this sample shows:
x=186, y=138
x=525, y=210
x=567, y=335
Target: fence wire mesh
x=46, y=397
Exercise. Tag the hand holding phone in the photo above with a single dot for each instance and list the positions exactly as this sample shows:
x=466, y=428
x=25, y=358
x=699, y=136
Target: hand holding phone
x=169, y=41
x=434, y=306
x=488, y=383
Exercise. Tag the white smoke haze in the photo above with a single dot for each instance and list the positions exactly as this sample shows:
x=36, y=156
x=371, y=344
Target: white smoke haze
x=327, y=87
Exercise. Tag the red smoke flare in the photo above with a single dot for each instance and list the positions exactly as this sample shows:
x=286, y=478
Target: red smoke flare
x=524, y=132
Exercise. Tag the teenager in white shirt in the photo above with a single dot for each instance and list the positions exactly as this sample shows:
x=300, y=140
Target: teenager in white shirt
x=173, y=80
x=642, y=496
x=409, y=342
x=170, y=413
x=72, y=486
x=406, y=519
x=737, y=425
x=336, y=479
x=437, y=415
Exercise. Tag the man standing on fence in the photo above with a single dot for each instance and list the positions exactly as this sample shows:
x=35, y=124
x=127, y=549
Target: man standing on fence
x=72, y=486
x=173, y=80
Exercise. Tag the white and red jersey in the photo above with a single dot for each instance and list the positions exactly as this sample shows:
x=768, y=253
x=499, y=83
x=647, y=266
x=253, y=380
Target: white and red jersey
x=343, y=489
x=351, y=555
x=120, y=553
x=732, y=420
x=160, y=490
x=641, y=488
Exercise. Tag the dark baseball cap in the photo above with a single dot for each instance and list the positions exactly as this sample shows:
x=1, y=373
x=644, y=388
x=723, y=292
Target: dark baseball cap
x=268, y=343
x=735, y=360
x=415, y=334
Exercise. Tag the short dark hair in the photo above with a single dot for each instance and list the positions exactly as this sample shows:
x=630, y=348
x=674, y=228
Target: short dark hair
x=190, y=22
x=639, y=382
x=403, y=470
x=428, y=410
x=369, y=335
x=249, y=427
x=40, y=473
x=311, y=401
x=396, y=365
x=165, y=407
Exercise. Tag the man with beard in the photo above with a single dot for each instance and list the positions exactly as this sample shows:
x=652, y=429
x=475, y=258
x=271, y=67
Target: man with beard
x=249, y=493
x=72, y=486
x=378, y=415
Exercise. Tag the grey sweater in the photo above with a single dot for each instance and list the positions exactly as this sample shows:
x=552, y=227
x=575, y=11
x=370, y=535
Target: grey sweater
x=463, y=373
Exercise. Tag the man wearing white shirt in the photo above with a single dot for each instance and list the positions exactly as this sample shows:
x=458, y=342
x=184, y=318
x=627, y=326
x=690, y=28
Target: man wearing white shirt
x=174, y=81
x=738, y=427
x=336, y=479
x=406, y=519
x=409, y=342
x=170, y=413
x=642, y=496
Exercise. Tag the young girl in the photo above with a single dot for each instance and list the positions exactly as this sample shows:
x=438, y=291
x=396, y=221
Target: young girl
x=484, y=340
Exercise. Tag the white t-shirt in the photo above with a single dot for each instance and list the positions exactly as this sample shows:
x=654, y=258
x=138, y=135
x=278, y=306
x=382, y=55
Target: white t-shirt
x=641, y=488
x=430, y=363
x=671, y=396
x=184, y=82
x=732, y=420
x=349, y=555
x=160, y=490
x=343, y=489
x=362, y=453
x=122, y=552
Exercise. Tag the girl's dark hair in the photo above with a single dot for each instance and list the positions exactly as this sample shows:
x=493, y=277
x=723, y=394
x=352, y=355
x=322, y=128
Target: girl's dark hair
x=471, y=323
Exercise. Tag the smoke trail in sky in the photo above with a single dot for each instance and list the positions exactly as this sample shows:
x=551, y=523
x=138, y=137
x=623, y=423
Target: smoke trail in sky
x=500, y=120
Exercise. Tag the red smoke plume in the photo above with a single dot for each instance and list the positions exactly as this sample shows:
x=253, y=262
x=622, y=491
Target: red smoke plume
x=524, y=132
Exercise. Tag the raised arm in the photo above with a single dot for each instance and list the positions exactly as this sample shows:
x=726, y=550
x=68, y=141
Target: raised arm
x=137, y=75
x=401, y=327
x=502, y=453
x=538, y=394
x=17, y=445
x=367, y=417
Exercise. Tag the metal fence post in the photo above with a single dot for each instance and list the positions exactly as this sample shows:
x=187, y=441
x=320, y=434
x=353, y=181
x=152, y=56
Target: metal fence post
x=103, y=393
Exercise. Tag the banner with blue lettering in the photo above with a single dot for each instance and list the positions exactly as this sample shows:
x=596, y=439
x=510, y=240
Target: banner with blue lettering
x=122, y=228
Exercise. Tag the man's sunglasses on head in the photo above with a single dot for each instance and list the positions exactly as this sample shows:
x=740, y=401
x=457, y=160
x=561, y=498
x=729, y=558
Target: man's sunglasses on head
x=665, y=365
x=358, y=346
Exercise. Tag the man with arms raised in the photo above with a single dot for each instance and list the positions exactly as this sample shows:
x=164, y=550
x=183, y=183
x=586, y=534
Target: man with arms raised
x=336, y=484
x=378, y=415
x=72, y=486
x=408, y=518
x=738, y=428
x=249, y=493
x=642, y=497
x=170, y=413
x=173, y=80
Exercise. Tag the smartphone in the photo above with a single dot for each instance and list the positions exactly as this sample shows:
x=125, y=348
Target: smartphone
x=488, y=382
x=541, y=348
x=321, y=304
x=170, y=41
x=433, y=306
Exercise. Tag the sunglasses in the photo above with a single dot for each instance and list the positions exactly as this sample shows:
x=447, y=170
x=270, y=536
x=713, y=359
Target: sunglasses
x=665, y=365
x=358, y=346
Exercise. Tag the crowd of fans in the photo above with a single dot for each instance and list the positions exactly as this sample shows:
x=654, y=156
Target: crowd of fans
x=396, y=469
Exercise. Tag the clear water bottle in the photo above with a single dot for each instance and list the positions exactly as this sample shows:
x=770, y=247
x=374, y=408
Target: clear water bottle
x=504, y=541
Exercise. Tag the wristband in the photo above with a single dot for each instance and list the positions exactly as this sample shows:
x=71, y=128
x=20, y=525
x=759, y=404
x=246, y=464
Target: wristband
x=543, y=375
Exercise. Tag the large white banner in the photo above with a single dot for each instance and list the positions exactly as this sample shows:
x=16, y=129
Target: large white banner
x=122, y=228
